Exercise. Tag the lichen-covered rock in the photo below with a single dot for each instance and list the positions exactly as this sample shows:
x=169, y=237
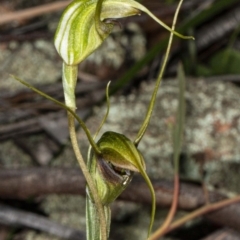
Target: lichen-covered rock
x=212, y=128
x=29, y=61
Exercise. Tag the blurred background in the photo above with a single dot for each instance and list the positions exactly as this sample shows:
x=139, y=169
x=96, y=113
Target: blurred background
x=41, y=188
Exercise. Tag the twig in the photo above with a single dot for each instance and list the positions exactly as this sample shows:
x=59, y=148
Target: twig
x=22, y=184
x=171, y=212
x=33, y=12
x=13, y=217
x=201, y=211
x=25, y=183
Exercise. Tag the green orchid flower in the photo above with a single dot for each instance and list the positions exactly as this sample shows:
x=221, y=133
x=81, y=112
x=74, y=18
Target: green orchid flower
x=77, y=35
x=79, y=32
x=112, y=169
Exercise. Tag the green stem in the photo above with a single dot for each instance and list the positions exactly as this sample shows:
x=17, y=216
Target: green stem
x=71, y=117
x=69, y=79
x=107, y=112
x=99, y=212
x=98, y=219
x=154, y=95
x=146, y=178
x=99, y=128
x=93, y=220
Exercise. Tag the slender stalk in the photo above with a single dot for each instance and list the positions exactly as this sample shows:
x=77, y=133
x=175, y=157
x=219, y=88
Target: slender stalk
x=69, y=80
x=145, y=125
x=100, y=221
x=153, y=204
x=178, y=130
x=199, y=212
x=171, y=213
x=146, y=121
x=107, y=112
x=92, y=217
x=70, y=73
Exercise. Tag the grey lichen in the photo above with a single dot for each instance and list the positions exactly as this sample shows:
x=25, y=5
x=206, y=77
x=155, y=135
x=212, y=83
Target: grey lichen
x=13, y=157
x=32, y=62
x=212, y=126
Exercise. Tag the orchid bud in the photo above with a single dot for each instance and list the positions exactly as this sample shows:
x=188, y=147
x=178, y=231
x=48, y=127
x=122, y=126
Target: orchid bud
x=113, y=168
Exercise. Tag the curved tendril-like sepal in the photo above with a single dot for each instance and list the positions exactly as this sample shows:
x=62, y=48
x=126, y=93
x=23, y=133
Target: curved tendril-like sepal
x=107, y=112
x=62, y=105
x=146, y=121
x=113, y=168
x=144, y=9
x=103, y=120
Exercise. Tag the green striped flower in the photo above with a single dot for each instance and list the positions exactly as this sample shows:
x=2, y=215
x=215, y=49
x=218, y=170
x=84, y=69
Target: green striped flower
x=112, y=170
x=78, y=35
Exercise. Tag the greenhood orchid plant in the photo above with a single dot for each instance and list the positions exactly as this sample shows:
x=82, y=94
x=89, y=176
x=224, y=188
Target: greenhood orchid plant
x=113, y=159
x=83, y=27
